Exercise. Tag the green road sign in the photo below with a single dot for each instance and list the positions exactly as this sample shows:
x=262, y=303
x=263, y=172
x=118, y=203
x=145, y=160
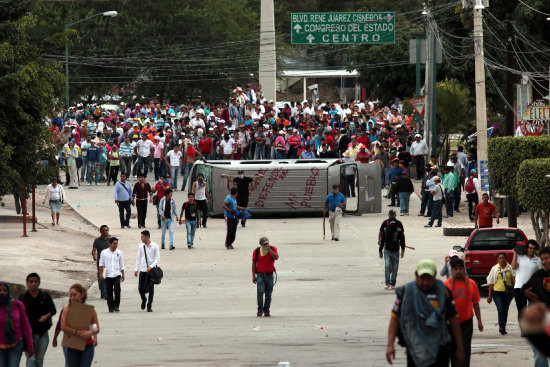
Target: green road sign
x=342, y=28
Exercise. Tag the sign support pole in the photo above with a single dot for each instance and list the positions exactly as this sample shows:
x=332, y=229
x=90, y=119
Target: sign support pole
x=267, y=73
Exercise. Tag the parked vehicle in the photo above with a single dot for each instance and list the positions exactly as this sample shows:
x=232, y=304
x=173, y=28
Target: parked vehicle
x=292, y=186
x=480, y=252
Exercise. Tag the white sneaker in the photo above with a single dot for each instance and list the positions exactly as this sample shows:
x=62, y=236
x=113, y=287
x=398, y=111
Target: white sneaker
x=88, y=184
x=98, y=184
x=387, y=286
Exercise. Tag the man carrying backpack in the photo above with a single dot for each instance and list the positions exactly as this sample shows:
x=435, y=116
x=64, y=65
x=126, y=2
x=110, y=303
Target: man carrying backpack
x=263, y=267
x=390, y=238
x=471, y=194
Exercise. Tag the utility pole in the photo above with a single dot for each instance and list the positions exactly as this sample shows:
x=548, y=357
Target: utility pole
x=267, y=73
x=509, y=91
x=481, y=109
x=430, y=109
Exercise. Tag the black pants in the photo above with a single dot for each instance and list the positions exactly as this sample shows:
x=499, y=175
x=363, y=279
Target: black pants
x=350, y=185
x=203, y=208
x=242, y=201
x=419, y=162
x=146, y=286
x=467, y=329
x=113, y=286
x=124, y=206
x=231, y=224
x=141, y=205
x=442, y=358
x=521, y=301
x=473, y=200
x=394, y=195
x=113, y=174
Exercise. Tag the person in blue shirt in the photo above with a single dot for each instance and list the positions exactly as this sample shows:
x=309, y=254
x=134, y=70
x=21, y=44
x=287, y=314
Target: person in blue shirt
x=123, y=198
x=395, y=174
x=308, y=152
x=230, y=209
x=335, y=202
x=93, y=163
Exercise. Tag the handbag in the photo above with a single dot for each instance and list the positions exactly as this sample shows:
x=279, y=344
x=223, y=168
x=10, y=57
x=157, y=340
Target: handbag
x=508, y=288
x=155, y=199
x=156, y=273
x=79, y=162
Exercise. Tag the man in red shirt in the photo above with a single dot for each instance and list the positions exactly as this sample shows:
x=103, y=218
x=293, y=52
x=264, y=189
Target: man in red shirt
x=329, y=140
x=484, y=213
x=162, y=185
x=263, y=267
x=465, y=295
x=205, y=146
x=362, y=155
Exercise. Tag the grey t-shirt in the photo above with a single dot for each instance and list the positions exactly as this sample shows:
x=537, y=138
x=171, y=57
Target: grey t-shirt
x=100, y=244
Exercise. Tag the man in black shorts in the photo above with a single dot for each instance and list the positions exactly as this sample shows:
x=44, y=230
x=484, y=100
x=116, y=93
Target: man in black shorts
x=242, y=183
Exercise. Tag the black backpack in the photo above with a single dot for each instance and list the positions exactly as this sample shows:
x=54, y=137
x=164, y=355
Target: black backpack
x=393, y=235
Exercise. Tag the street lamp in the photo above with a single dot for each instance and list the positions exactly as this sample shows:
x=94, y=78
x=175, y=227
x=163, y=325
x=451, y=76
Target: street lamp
x=109, y=14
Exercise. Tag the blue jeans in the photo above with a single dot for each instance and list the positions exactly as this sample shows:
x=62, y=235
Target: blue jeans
x=540, y=358
x=167, y=223
x=101, y=282
x=83, y=168
x=78, y=358
x=12, y=356
x=144, y=162
x=260, y=152
x=502, y=301
x=40, y=346
x=174, y=177
x=264, y=286
x=191, y=226
x=449, y=202
x=126, y=166
x=61, y=160
x=281, y=155
x=426, y=202
x=102, y=166
x=186, y=175
x=95, y=167
x=391, y=265
x=385, y=176
x=404, y=198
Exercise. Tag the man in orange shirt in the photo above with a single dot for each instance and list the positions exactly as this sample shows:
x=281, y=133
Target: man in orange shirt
x=484, y=213
x=466, y=295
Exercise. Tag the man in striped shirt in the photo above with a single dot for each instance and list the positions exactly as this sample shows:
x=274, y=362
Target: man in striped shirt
x=126, y=151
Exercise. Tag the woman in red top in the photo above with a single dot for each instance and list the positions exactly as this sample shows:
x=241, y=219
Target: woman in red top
x=294, y=141
x=75, y=357
x=14, y=325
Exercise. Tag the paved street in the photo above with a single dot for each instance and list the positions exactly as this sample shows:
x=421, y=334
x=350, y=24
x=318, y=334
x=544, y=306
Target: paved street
x=329, y=306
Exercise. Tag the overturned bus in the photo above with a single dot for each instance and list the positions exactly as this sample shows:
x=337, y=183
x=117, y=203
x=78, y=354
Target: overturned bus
x=292, y=187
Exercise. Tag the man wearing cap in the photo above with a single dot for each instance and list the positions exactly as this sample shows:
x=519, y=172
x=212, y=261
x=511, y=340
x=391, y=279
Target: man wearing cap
x=419, y=150
x=438, y=195
x=425, y=316
x=390, y=238
x=466, y=296
x=263, y=267
x=335, y=202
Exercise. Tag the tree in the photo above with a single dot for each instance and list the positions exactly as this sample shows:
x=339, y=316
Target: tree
x=533, y=187
x=29, y=87
x=454, y=111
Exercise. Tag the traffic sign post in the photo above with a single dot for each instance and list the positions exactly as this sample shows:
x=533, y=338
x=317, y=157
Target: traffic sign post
x=418, y=104
x=342, y=28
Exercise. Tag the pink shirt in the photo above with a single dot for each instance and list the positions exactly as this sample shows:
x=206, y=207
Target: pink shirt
x=294, y=140
x=158, y=150
x=21, y=324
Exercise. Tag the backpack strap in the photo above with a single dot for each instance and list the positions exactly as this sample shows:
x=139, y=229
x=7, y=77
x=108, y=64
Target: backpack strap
x=257, y=252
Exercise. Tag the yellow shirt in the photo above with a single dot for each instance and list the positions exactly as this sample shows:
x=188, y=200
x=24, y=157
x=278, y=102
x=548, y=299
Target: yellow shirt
x=499, y=284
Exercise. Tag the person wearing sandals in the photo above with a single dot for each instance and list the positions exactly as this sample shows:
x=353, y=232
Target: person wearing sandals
x=55, y=195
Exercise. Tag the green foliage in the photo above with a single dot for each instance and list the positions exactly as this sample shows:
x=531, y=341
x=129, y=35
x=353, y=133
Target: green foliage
x=506, y=154
x=532, y=184
x=29, y=87
x=454, y=107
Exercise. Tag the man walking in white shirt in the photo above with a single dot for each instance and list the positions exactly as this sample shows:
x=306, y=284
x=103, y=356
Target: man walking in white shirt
x=111, y=269
x=148, y=257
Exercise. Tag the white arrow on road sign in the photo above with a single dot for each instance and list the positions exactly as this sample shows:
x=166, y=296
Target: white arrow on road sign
x=310, y=38
x=297, y=28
